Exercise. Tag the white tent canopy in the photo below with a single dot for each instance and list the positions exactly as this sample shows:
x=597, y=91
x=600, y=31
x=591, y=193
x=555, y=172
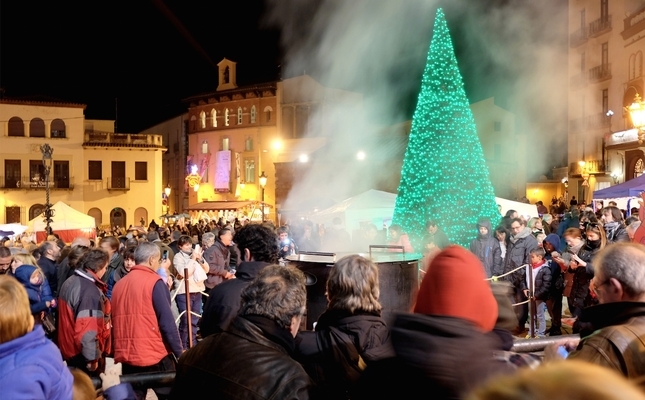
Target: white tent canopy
x=374, y=206
x=65, y=218
x=527, y=210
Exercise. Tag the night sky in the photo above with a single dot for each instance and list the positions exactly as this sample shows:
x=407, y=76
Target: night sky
x=143, y=57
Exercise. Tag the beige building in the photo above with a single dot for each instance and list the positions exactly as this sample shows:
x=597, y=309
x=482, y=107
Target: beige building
x=605, y=73
x=114, y=177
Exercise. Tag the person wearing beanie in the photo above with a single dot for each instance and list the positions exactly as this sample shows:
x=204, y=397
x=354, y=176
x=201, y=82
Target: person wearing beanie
x=445, y=348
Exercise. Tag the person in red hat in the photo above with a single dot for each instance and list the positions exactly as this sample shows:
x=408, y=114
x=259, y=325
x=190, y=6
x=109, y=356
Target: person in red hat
x=445, y=348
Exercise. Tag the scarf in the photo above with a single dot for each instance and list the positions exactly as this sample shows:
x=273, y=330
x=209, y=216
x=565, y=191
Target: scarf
x=524, y=233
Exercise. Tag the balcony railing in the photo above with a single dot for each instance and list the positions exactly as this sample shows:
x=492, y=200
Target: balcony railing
x=578, y=37
x=600, y=73
x=118, y=184
x=600, y=26
x=597, y=121
x=591, y=167
x=95, y=138
x=594, y=121
x=35, y=183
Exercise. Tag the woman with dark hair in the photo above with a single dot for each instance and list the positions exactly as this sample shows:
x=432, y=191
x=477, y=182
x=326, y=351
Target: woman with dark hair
x=503, y=236
x=122, y=270
x=614, y=226
x=350, y=334
x=399, y=238
x=111, y=245
x=85, y=315
x=191, y=259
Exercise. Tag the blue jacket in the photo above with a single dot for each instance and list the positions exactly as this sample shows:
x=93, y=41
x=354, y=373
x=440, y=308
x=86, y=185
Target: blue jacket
x=31, y=367
x=38, y=294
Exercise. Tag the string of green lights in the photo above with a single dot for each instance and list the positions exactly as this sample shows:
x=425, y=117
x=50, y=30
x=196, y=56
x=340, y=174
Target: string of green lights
x=444, y=176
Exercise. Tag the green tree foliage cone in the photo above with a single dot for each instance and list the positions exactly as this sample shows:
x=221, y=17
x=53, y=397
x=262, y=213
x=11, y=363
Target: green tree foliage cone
x=444, y=176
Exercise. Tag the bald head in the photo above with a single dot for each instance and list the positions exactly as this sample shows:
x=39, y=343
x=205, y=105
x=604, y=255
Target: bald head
x=81, y=241
x=624, y=262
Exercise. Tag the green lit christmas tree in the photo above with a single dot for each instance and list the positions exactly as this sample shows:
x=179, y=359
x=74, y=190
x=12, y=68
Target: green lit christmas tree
x=444, y=176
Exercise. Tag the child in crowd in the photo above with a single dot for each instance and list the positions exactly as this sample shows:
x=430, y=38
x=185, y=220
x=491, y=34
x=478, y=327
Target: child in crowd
x=541, y=284
x=34, y=281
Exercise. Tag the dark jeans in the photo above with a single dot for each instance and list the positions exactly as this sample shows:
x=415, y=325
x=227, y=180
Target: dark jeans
x=196, y=307
x=522, y=310
x=166, y=364
x=79, y=362
x=554, y=305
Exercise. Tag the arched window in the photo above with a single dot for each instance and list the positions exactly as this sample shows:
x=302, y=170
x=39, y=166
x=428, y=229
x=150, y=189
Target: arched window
x=16, y=127
x=267, y=113
x=253, y=113
x=58, y=128
x=239, y=115
x=193, y=123
x=639, y=167
x=97, y=214
x=226, y=121
x=202, y=120
x=140, y=214
x=37, y=128
x=638, y=68
x=36, y=210
x=214, y=118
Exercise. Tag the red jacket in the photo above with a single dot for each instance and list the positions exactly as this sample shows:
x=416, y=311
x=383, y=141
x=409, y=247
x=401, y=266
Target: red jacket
x=84, y=317
x=137, y=337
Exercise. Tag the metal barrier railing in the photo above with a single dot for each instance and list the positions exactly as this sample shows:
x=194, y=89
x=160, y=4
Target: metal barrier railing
x=160, y=379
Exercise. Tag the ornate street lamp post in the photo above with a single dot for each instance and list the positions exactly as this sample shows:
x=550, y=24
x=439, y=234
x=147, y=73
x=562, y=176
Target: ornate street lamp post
x=636, y=111
x=47, y=151
x=263, y=183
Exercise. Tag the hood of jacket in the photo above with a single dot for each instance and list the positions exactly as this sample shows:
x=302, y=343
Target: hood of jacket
x=554, y=240
x=248, y=270
x=483, y=222
x=23, y=274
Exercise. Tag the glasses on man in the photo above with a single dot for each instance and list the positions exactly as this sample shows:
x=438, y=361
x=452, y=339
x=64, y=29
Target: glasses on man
x=598, y=286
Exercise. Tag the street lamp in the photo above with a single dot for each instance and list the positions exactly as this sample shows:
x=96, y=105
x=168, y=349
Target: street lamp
x=263, y=183
x=636, y=111
x=47, y=151
x=167, y=190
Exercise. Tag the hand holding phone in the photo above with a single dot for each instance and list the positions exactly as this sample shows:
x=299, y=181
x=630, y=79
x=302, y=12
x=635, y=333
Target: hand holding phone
x=164, y=256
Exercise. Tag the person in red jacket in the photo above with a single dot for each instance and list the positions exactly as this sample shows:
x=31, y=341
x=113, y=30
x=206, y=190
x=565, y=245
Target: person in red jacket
x=84, y=315
x=145, y=335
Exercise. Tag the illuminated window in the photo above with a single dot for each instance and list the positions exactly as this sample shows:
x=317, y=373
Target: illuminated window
x=226, y=117
x=253, y=113
x=267, y=113
x=239, y=115
x=214, y=118
x=249, y=170
x=202, y=120
x=58, y=128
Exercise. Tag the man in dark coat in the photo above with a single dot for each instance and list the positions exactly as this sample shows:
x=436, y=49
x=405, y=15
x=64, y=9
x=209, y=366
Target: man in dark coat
x=518, y=254
x=49, y=251
x=614, y=339
x=487, y=249
x=253, y=357
x=258, y=247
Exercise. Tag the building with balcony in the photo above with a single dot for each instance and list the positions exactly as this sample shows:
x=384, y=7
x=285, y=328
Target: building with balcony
x=605, y=73
x=236, y=133
x=114, y=177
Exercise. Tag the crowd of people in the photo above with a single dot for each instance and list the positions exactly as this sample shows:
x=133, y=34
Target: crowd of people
x=214, y=303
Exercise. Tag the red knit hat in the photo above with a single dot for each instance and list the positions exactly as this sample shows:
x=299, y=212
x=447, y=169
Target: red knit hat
x=454, y=286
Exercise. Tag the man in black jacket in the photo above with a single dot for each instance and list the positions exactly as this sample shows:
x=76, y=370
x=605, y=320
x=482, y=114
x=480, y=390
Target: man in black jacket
x=258, y=247
x=253, y=357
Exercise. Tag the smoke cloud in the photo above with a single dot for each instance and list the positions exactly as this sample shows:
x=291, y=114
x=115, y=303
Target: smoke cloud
x=513, y=50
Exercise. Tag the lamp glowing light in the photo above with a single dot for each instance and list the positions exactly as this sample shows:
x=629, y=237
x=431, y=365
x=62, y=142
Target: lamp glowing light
x=360, y=155
x=303, y=158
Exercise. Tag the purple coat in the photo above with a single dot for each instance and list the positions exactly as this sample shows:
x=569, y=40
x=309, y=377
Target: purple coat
x=31, y=367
